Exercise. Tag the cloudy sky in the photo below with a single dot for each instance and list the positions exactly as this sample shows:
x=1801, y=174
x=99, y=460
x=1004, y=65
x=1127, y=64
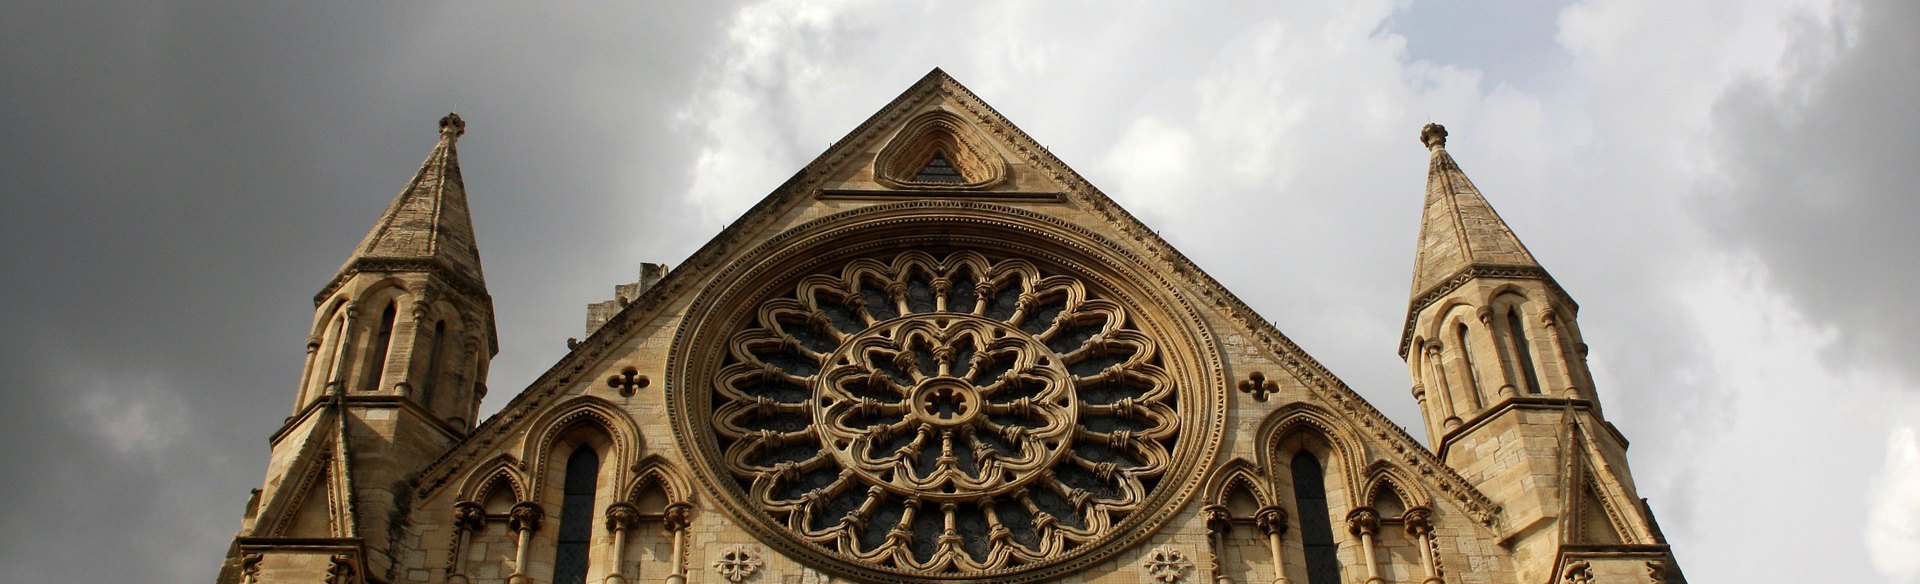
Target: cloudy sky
x=1727, y=187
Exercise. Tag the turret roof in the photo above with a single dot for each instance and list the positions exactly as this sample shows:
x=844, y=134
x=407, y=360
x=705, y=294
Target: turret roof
x=428, y=220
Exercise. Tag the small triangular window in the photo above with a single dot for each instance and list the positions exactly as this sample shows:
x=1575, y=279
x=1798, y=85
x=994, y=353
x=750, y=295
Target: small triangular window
x=938, y=170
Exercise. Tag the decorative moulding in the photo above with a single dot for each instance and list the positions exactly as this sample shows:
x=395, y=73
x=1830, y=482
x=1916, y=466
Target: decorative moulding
x=943, y=132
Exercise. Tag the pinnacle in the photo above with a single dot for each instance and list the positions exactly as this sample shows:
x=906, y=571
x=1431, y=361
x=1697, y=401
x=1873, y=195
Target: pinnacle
x=429, y=219
x=1459, y=228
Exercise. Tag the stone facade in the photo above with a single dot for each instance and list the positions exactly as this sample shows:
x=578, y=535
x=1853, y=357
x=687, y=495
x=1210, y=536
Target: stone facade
x=939, y=354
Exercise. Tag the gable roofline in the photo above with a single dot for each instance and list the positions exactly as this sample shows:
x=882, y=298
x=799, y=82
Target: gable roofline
x=1126, y=227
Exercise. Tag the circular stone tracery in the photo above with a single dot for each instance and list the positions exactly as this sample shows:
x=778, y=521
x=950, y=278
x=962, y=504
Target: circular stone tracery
x=956, y=416
x=945, y=407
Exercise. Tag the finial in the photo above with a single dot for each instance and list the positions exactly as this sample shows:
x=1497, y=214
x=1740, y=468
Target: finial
x=1433, y=136
x=453, y=124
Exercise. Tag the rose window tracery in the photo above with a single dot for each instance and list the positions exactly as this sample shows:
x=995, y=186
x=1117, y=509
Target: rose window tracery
x=955, y=415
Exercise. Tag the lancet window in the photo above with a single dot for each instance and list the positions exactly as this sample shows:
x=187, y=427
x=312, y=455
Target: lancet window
x=576, y=517
x=1316, y=528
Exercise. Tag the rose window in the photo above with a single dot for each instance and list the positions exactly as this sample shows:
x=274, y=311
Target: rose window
x=944, y=416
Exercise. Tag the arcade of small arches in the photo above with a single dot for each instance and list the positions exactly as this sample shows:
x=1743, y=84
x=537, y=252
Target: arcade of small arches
x=1479, y=348
x=585, y=462
x=403, y=337
x=1260, y=516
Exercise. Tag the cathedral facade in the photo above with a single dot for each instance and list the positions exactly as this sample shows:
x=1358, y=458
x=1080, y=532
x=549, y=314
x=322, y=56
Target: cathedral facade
x=938, y=354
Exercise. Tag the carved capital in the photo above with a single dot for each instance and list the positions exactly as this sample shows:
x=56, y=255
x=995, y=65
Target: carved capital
x=622, y=517
x=1363, y=521
x=1218, y=520
x=313, y=342
x=1419, y=521
x=1485, y=314
x=1419, y=392
x=469, y=516
x=1432, y=348
x=678, y=516
x=1271, y=520
x=525, y=517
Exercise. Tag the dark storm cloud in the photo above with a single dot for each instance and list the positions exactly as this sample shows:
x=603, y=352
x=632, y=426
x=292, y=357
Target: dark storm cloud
x=177, y=182
x=1820, y=180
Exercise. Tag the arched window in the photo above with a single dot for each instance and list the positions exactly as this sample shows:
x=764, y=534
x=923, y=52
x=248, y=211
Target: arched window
x=433, y=365
x=1521, y=349
x=1316, y=529
x=382, y=337
x=1466, y=358
x=576, y=517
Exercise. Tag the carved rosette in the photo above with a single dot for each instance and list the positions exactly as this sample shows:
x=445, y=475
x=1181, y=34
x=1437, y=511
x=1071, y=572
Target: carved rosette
x=952, y=415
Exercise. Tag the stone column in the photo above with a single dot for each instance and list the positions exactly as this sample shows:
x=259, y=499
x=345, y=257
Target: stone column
x=1364, y=522
x=1449, y=420
x=410, y=385
x=1419, y=522
x=340, y=343
x=1218, y=525
x=468, y=518
x=678, y=519
x=306, y=372
x=621, y=518
x=524, y=519
x=1506, y=358
x=1550, y=321
x=1272, y=521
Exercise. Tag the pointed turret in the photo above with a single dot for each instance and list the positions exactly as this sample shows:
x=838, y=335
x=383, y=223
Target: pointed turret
x=1459, y=229
x=396, y=366
x=1501, y=375
x=429, y=220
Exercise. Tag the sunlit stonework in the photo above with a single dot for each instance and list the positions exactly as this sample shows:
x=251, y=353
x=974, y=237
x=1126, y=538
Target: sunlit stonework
x=949, y=414
x=937, y=354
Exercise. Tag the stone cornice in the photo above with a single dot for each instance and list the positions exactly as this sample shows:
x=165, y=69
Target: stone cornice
x=1519, y=403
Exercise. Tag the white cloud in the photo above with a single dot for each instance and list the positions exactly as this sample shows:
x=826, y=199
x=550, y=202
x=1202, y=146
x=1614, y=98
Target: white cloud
x=1893, y=518
x=1276, y=146
x=133, y=416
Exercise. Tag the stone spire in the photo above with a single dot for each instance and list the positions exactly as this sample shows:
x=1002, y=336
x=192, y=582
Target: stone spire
x=428, y=222
x=1458, y=229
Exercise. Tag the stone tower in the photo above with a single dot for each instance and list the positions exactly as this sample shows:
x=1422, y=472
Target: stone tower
x=938, y=354
x=1500, y=372
x=395, y=371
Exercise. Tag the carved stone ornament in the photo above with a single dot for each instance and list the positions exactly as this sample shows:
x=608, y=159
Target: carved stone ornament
x=622, y=517
x=962, y=416
x=1363, y=521
x=341, y=571
x=525, y=517
x=1167, y=565
x=1578, y=572
x=1418, y=520
x=737, y=563
x=1271, y=520
x=469, y=516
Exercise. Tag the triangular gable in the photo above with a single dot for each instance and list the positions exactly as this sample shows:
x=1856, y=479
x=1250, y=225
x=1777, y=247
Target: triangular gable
x=938, y=111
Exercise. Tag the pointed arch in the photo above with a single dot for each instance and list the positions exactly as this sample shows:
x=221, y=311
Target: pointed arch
x=654, y=471
x=943, y=135
x=1312, y=423
x=501, y=470
x=1384, y=477
x=622, y=436
x=1231, y=480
